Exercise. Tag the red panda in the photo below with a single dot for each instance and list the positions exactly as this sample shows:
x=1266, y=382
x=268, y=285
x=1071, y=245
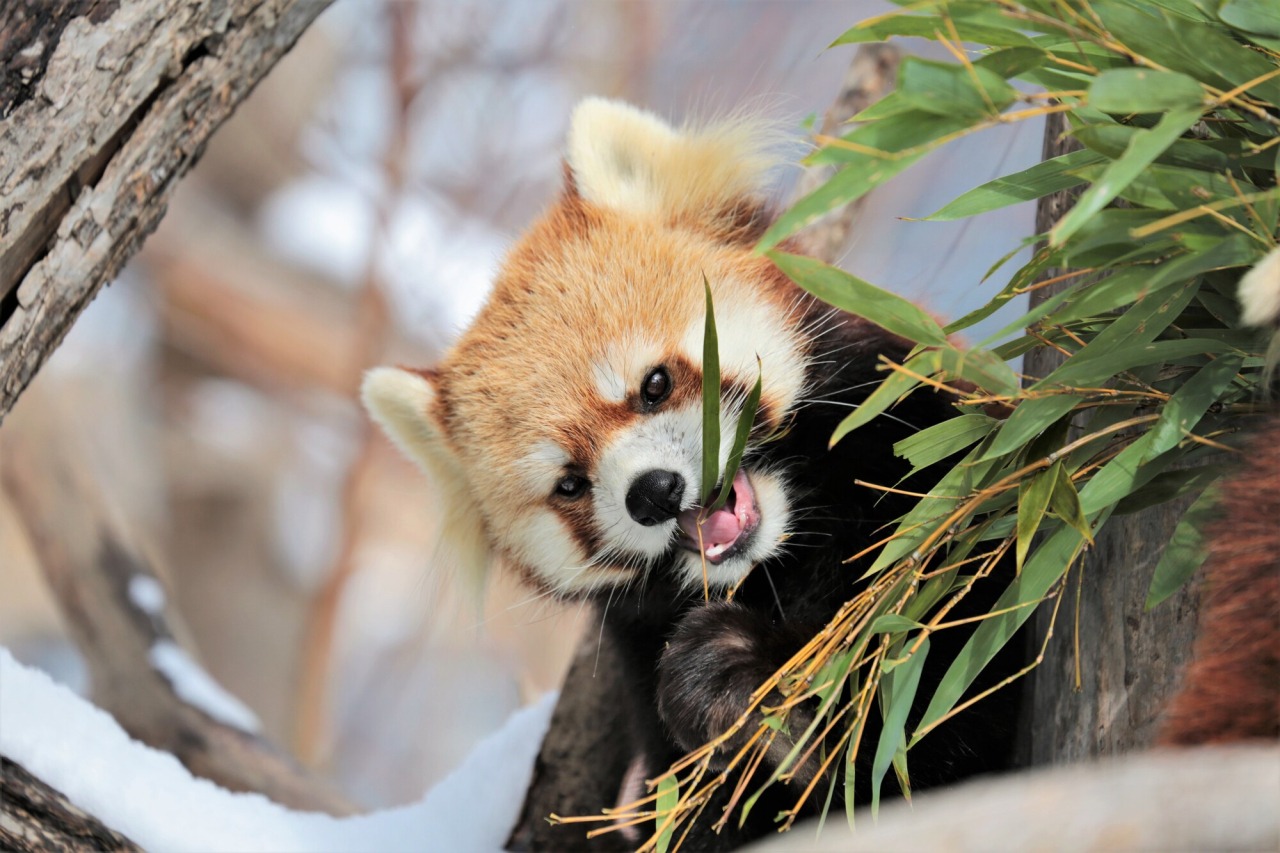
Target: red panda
x=565, y=431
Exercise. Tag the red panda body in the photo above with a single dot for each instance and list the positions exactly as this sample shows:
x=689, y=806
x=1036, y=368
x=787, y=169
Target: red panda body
x=565, y=430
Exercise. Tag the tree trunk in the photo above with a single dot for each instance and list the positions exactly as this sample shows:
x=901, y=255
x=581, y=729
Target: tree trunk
x=104, y=106
x=1129, y=661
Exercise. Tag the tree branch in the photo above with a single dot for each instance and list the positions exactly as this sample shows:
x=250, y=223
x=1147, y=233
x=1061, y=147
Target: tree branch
x=112, y=103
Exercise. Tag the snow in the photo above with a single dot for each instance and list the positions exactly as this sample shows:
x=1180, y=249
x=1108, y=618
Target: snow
x=150, y=797
x=198, y=689
x=147, y=594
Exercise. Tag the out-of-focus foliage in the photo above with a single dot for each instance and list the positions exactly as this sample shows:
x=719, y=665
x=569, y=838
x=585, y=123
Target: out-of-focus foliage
x=1175, y=105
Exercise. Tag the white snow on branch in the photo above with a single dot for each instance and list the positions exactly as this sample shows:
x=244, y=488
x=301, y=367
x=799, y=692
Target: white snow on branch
x=147, y=594
x=197, y=687
x=150, y=797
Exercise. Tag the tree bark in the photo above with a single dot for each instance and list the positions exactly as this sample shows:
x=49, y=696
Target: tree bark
x=104, y=106
x=1130, y=662
x=35, y=818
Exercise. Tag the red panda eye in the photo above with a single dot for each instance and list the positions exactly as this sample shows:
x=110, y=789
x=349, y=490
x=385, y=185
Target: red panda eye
x=656, y=386
x=572, y=486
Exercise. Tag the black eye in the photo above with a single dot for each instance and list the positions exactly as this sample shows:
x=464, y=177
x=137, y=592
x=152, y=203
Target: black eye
x=572, y=486
x=656, y=386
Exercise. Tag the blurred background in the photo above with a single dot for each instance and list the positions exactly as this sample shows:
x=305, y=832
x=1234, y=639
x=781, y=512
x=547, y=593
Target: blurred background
x=351, y=214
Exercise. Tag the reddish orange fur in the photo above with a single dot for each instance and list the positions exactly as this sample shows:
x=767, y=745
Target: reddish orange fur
x=1232, y=687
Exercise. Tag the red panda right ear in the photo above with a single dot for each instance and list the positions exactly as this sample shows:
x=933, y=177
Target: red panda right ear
x=405, y=404
x=629, y=160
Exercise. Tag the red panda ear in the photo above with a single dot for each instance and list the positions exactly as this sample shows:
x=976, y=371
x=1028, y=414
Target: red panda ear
x=407, y=407
x=629, y=160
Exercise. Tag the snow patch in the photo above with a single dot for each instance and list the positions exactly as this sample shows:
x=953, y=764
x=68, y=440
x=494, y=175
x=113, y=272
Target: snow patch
x=198, y=689
x=151, y=798
x=147, y=594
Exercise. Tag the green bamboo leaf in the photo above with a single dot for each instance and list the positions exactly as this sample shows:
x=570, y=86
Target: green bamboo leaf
x=979, y=22
x=1170, y=485
x=892, y=623
x=1089, y=369
x=981, y=367
x=917, y=524
x=1185, y=551
x=883, y=149
x=1066, y=503
x=745, y=421
x=1190, y=402
x=668, y=799
x=1142, y=90
x=1033, y=502
x=1041, y=571
x=894, y=387
x=944, y=439
x=948, y=89
x=850, y=293
x=1142, y=151
x=710, y=400
x=898, y=691
x=1261, y=17
x=1209, y=54
x=1049, y=176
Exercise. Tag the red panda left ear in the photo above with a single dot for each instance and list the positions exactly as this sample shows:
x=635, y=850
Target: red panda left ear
x=405, y=404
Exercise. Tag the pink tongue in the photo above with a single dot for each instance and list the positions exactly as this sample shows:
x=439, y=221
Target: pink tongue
x=720, y=528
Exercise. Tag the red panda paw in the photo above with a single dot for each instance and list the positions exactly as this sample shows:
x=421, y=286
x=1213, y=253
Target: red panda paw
x=714, y=661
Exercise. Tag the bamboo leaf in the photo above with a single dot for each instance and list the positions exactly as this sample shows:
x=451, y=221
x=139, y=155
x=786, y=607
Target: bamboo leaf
x=1049, y=176
x=1185, y=552
x=745, y=421
x=1142, y=90
x=710, y=400
x=1066, y=503
x=947, y=89
x=944, y=439
x=850, y=293
x=1261, y=17
x=894, y=387
x=891, y=623
x=1033, y=502
x=668, y=799
x=898, y=693
x=1142, y=151
x=1190, y=402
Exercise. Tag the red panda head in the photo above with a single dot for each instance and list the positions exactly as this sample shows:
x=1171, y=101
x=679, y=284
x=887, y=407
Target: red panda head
x=565, y=425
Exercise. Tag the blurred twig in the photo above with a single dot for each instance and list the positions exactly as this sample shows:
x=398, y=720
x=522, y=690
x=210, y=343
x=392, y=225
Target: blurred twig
x=371, y=336
x=95, y=568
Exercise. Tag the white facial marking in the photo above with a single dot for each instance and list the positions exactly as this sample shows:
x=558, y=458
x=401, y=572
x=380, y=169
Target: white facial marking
x=542, y=466
x=747, y=328
x=621, y=367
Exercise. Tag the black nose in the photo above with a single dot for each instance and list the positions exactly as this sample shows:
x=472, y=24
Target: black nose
x=654, y=497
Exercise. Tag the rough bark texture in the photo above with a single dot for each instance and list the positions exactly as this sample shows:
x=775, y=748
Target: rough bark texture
x=91, y=564
x=104, y=105
x=35, y=818
x=580, y=754
x=1130, y=661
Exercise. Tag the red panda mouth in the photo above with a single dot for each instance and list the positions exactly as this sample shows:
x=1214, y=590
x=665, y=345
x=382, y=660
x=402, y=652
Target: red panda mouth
x=725, y=532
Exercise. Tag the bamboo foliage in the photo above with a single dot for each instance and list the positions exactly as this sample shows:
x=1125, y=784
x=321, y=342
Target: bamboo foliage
x=1176, y=104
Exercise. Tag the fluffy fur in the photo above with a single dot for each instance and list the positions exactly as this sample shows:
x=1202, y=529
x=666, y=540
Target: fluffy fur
x=541, y=427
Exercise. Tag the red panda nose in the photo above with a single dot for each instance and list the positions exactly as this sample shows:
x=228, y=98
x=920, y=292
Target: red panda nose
x=654, y=497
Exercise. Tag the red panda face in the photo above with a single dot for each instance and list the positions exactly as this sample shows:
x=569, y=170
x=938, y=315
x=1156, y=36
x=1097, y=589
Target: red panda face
x=566, y=423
